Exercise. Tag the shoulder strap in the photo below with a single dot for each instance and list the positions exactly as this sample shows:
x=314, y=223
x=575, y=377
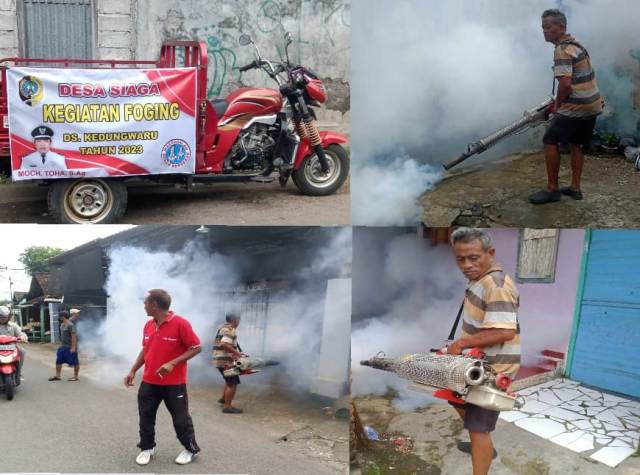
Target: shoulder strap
x=575, y=43
x=452, y=334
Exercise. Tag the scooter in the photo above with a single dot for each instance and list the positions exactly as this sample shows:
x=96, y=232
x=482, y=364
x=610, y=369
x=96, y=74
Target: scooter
x=9, y=361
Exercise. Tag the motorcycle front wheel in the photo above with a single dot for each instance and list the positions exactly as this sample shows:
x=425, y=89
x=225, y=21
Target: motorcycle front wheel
x=310, y=179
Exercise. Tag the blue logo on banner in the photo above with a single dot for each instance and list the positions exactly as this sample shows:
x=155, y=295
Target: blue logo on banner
x=176, y=153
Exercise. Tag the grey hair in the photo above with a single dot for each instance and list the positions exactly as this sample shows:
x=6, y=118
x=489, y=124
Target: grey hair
x=466, y=235
x=558, y=17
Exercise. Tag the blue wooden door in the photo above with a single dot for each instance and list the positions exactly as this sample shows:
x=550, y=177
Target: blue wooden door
x=607, y=340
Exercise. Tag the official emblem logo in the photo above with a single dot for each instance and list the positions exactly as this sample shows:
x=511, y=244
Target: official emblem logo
x=30, y=90
x=176, y=153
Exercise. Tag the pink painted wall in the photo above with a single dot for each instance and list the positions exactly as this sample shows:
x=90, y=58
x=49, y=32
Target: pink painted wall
x=546, y=310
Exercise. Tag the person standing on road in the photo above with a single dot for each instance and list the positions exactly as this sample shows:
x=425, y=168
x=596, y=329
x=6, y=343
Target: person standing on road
x=74, y=316
x=225, y=351
x=68, y=350
x=168, y=343
x=489, y=322
x=9, y=328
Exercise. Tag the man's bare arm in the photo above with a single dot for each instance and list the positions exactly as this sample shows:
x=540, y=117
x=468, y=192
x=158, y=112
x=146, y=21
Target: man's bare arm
x=139, y=362
x=228, y=347
x=187, y=355
x=564, y=90
x=129, y=378
x=482, y=339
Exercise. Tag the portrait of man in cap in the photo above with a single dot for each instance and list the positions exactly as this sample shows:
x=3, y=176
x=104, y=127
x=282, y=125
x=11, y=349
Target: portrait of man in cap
x=43, y=158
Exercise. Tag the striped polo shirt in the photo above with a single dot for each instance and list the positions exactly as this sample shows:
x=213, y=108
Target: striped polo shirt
x=570, y=59
x=225, y=334
x=492, y=302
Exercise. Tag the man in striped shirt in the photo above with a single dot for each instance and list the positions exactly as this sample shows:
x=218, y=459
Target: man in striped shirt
x=225, y=351
x=577, y=104
x=489, y=322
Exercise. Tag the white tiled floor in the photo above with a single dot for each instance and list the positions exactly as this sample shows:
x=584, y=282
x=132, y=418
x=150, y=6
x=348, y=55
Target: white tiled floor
x=580, y=419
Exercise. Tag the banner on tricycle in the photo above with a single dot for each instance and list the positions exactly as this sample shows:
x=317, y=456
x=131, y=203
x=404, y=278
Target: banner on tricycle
x=74, y=123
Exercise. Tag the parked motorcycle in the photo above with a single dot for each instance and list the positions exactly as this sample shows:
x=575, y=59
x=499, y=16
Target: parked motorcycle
x=283, y=138
x=9, y=360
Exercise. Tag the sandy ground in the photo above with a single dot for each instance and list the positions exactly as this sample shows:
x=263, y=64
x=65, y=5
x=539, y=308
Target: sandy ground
x=228, y=204
x=424, y=442
x=495, y=194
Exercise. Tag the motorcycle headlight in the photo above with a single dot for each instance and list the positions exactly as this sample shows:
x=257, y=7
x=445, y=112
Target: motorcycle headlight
x=6, y=359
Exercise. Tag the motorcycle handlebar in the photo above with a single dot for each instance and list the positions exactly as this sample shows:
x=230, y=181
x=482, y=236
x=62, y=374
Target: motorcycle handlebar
x=247, y=67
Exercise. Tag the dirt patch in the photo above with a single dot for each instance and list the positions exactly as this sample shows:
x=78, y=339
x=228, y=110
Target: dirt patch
x=522, y=466
x=496, y=195
x=424, y=442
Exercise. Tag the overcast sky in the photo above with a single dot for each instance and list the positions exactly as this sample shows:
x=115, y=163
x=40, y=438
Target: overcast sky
x=16, y=238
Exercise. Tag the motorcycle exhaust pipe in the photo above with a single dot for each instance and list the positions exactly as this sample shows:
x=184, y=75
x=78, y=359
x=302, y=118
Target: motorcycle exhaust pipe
x=474, y=375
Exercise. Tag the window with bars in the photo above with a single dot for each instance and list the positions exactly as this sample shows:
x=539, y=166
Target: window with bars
x=537, y=255
x=56, y=28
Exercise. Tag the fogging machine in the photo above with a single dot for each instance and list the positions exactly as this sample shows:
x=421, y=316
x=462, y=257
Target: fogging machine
x=247, y=365
x=461, y=379
x=531, y=118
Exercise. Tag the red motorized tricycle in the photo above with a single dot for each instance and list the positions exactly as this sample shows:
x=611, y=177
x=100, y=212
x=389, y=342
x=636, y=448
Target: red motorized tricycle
x=254, y=134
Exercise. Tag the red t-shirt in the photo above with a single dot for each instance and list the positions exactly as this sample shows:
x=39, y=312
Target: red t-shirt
x=161, y=344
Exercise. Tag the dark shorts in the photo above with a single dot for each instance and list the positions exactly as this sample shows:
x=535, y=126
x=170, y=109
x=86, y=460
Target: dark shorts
x=571, y=131
x=229, y=379
x=478, y=419
x=64, y=356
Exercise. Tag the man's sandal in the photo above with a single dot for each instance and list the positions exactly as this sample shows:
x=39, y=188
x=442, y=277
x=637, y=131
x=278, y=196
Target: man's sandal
x=54, y=378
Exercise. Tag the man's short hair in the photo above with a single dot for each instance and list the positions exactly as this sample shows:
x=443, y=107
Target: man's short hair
x=467, y=235
x=63, y=314
x=556, y=15
x=161, y=297
x=232, y=317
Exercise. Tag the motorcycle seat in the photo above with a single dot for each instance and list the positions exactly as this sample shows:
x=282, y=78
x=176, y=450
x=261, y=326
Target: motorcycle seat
x=220, y=106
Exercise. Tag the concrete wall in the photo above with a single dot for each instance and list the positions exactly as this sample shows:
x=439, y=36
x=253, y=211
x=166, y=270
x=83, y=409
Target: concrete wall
x=115, y=30
x=320, y=29
x=8, y=29
x=546, y=310
x=135, y=29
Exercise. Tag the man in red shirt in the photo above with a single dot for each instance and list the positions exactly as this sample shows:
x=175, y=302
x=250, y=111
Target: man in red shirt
x=168, y=342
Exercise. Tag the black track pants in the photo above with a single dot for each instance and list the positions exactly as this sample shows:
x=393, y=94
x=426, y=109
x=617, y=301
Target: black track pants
x=175, y=398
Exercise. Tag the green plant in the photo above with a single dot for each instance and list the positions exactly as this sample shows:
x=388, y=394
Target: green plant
x=610, y=139
x=36, y=258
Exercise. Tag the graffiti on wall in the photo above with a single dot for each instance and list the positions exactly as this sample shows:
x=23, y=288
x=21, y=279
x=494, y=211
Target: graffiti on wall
x=311, y=22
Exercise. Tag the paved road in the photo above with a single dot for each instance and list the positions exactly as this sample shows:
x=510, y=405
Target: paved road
x=230, y=204
x=85, y=427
